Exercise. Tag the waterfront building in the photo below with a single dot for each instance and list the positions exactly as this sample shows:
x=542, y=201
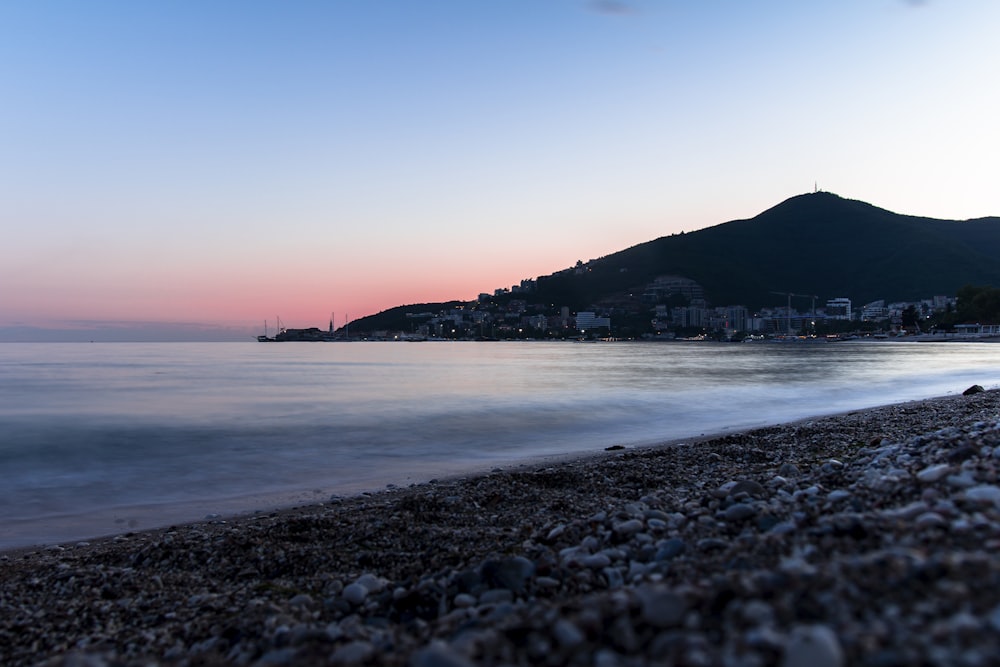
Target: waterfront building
x=588, y=321
x=839, y=308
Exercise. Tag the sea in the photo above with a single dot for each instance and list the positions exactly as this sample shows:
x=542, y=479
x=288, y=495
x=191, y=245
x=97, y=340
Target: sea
x=100, y=439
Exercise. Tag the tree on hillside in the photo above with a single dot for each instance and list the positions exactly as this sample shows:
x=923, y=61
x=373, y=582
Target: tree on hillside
x=980, y=304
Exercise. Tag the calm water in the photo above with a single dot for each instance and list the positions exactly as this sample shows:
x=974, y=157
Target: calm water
x=103, y=438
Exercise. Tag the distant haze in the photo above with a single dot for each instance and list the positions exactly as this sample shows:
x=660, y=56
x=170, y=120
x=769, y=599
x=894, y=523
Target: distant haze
x=180, y=171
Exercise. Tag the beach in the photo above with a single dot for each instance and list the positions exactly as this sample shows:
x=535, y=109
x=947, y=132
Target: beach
x=865, y=538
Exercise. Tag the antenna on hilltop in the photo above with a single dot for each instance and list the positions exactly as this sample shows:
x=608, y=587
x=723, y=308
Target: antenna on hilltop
x=815, y=187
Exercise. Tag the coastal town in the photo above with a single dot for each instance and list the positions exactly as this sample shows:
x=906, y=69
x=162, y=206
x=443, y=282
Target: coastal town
x=669, y=308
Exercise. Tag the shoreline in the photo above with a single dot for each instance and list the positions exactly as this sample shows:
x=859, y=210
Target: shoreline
x=154, y=517
x=761, y=544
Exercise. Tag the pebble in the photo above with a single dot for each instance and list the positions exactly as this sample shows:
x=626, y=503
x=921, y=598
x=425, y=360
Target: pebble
x=438, y=654
x=671, y=549
x=739, y=512
x=595, y=561
x=355, y=593
x=838, y=495
x=567, y=634
x=509, y=573
x=661, y=608
x=628, y=528
x=353, y=653
x=934, y=473
x=813, y=646
x=984, y=494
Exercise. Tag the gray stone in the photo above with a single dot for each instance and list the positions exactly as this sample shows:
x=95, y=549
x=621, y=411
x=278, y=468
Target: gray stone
x=372, y=583
x=439, y=654
x=496, y=596
x=595, y=561
x=510, y=573
x=661, y=607
x=837, y=495
x=301, y=600
x=614, y=577
x=934, y=473
x=353, y=653
x=748, y=486
x=788, y=470
x=628, y=528
x=355, y=593
x=567, y=634
x=712, y=544
x=670, y=549
x=984, y=494
x=464, y=600
x=813, y=646
x=739, y=512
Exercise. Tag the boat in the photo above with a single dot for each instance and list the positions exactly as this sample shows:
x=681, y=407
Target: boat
x=265, y=338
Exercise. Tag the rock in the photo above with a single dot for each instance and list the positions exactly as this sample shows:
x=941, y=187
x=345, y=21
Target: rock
x=509, y=573
x=628, y=528
x=567, y=634
x=439, y=654
x=670, y=549
x=355, y=593
x=279, y=656
x=595, y=561
x=496, y=596
x=353, y=653
x=813, y=646
x=661, y=607
x=712, y=544
x=613, y=577
x=974, y=389
x=788, y=470
x=929, y=520
x=749, y=487
x=371, y=583
x=837, y=495
x=464, y=600
x=984, y=494
x=739, y=512
x=934, y=473
x=301, y=600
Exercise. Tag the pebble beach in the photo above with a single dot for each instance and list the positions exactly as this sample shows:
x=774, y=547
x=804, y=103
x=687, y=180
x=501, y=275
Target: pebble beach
x=868, y=538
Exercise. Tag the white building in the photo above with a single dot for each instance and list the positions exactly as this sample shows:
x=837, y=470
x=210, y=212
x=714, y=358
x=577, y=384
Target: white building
x=839, y=308
x=588, y=321
x=875, y=311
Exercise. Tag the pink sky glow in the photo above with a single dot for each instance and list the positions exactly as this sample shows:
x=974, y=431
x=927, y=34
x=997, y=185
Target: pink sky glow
x=213, y=165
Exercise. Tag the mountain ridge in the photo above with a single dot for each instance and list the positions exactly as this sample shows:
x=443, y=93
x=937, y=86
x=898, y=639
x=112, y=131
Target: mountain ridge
x=815, y=243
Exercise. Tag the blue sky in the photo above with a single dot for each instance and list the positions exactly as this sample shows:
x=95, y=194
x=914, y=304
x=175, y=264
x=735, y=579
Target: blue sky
x=216, y=163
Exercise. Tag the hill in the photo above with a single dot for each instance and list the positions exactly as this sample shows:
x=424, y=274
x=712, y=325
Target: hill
x=817, y=243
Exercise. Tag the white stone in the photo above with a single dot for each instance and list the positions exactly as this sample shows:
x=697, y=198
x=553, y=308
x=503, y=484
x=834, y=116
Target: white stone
x=934, y=473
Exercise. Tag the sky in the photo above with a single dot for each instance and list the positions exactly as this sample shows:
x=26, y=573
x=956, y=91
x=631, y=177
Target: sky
x=189, y=169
